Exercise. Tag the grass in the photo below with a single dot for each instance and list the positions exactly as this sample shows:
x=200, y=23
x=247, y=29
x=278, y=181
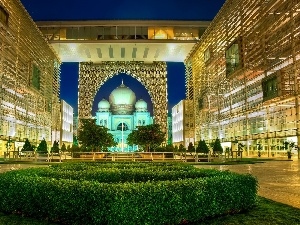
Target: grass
x=266, y=212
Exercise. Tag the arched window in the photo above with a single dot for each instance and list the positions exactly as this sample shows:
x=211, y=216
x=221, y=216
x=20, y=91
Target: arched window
x=125, y=127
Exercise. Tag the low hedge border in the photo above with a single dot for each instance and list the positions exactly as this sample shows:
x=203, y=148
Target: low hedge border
x=122, y=165
x=115, y=175
x=152, y=202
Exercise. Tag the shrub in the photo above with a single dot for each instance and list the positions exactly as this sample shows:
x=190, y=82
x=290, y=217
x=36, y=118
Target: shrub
x=165, y=193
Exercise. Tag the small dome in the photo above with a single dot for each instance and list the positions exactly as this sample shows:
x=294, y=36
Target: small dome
x=141, y=106
x=122, y=100
x=103, y=105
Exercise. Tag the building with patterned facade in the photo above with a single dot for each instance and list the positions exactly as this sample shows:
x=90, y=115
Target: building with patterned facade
x=183, y=124
x=63, y=131
x=121, y=115
x=29, y=79
x=243, y=76
x=139, y=48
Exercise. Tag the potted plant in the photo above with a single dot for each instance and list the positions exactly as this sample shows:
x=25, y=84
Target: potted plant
x=240, y=148
x=259, y=148
x=288, y=146
x=289, y=154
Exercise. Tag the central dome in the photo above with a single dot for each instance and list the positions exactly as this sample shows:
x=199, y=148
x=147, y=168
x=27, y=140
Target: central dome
x=122, y=100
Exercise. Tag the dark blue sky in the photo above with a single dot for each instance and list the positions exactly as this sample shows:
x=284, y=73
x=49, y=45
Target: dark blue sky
x=122, y=10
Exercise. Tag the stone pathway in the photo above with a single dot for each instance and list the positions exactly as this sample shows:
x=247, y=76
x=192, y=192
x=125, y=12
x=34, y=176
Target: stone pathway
x=278, y=180
x=16, y=166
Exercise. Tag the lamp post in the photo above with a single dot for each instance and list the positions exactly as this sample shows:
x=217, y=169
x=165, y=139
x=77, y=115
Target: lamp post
x=122, y=143
x=8, y=145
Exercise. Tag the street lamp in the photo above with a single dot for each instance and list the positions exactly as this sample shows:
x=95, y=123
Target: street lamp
x=122, y=147
x=8, y=145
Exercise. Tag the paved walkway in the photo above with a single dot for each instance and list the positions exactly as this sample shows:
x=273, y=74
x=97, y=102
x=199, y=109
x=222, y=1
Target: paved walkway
x=278, y=180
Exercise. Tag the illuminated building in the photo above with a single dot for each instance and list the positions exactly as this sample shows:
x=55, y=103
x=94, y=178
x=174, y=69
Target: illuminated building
x=122, y=114
x=66, y=130
x=243, y=75
x=182, y=123
x=29, y=79
x=135, y=47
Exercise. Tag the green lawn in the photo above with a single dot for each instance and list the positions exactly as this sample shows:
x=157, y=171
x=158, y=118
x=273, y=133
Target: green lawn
x=266, y=212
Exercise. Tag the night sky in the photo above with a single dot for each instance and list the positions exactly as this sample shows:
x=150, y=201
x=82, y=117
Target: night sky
x=122, y=10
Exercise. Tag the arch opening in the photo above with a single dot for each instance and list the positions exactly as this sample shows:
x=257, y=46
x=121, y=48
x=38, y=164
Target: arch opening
x=152, y=76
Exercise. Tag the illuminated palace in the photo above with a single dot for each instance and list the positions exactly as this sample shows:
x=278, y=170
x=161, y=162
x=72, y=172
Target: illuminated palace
x=122, y=114
x=243, y=76
x=29, y=80
x=137, y=48
x=242, y=70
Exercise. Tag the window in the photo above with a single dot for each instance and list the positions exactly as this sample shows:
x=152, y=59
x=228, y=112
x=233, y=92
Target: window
x=269, y=88
x=36, y=77
x=206, y=55
x=3, y=16
x=200, y=103
x=122, y=126
x=233, y=57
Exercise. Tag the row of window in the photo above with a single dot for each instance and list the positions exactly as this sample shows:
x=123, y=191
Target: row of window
x=3, y=16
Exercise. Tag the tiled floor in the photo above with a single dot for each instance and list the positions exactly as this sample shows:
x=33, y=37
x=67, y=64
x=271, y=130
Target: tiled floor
x=278, y=180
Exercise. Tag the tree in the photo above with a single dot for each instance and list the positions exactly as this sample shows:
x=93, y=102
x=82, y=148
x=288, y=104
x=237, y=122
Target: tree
x=93, y=137
x=55, y=147
x=170, y=148
x=27, y=146
x=63, y=147
x=191, y=147
x=75, y=140
x=42, y=148
x=202, y=147
x=176, y=148
x=217, y=148
x=74, y=148
x=149, y=136
x=181, y=148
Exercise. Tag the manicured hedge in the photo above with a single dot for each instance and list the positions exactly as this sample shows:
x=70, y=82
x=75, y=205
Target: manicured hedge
x=115, y=175
x=122, y=165
x=80, y=201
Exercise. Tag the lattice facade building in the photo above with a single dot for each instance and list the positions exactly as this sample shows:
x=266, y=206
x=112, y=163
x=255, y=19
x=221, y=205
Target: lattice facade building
x=152, y=75
x=245, y=74
x=29, y=78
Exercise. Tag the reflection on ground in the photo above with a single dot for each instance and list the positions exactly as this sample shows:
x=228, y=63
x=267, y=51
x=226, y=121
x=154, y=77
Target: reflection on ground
x=278, y=180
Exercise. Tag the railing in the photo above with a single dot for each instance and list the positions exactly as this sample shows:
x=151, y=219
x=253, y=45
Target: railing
x=106, y=156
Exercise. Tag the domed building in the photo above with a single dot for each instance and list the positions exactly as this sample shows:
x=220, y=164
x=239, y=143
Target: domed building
x=122, y=114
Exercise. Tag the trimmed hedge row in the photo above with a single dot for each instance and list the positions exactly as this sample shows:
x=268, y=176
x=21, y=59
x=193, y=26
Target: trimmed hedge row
x=115, y=175
x=152, y=202
x=122, y=165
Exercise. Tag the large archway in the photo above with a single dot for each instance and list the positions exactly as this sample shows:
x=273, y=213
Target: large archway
x=152, y=75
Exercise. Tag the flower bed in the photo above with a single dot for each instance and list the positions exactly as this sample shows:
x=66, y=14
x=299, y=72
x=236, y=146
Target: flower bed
x=112, y=194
